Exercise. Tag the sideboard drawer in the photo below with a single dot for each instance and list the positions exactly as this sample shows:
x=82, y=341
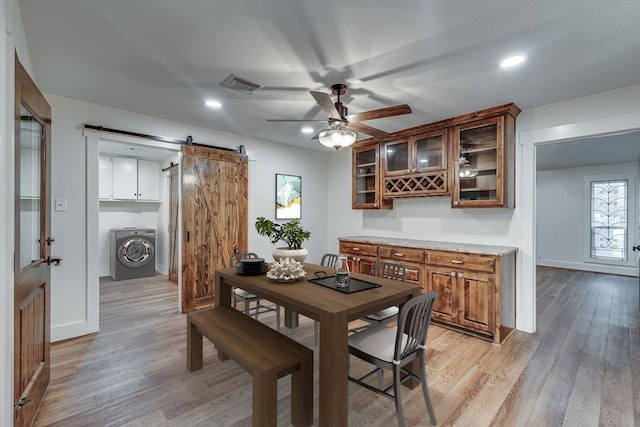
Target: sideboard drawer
x=401, y=254
x=462, y=261
x=357, y=248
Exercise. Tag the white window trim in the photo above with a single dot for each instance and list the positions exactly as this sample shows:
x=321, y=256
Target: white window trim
x=632, y=217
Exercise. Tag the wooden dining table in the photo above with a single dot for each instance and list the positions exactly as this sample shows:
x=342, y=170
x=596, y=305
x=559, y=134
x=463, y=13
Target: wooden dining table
x=334, y=310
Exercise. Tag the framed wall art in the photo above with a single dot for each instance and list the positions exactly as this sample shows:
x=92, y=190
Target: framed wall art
x=288, y=196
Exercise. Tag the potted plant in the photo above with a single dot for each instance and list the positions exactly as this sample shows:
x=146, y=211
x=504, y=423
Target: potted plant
x=290, y=233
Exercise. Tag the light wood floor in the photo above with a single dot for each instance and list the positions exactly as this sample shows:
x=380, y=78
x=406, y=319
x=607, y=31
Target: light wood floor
x=582, y=367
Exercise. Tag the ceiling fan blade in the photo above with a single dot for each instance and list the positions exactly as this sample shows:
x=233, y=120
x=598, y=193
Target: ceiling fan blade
x=325, y=102
x=368, y=130
x=396, y=110
x=296, y=120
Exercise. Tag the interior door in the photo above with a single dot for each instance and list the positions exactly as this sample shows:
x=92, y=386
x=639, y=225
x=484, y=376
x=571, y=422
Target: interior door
x=32, y=247
x=173, y=223
x=214, y=219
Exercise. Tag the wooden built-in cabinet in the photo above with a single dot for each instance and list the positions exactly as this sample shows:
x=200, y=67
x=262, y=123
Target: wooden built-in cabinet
x=484, y=172
x=416, y=165
x=366, y=179
x=469, y=157
x=360, y=256
x=476, y=291
x=411, y=258
x=467, y=286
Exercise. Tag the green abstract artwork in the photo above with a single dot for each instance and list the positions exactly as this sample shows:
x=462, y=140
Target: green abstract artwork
x=288, y=196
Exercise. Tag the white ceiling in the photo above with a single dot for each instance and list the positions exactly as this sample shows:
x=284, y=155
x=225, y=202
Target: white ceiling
x=601, y=150
x=164, y=58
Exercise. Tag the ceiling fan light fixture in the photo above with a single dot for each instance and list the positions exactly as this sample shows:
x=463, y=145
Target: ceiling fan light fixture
x=337, y=138
x=466, y=170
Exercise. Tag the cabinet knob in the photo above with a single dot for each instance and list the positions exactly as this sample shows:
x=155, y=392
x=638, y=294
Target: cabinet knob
x=460, y=275
x=453, y=274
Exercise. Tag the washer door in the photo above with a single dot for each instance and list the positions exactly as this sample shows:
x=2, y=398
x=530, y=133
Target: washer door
x=135, y=252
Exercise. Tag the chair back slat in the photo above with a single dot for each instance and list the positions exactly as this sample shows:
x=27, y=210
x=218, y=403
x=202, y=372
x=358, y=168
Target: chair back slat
x=234, y=258
x=390, y=270
x=329, y=260
x=413, y=335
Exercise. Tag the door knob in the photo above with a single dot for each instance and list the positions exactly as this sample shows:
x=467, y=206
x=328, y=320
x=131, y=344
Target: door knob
x=55, y=261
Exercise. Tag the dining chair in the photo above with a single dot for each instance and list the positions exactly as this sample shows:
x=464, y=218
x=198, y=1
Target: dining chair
x=248, y=298
x=386, y=270
x=327, y=260
x=393, y=348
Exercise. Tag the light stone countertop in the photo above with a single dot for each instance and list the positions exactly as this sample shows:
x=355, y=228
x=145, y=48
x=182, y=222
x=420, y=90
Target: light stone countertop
x=432, y=245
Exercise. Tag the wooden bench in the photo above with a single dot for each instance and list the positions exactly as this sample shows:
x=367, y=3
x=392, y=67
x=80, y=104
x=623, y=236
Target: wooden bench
x=263, y=352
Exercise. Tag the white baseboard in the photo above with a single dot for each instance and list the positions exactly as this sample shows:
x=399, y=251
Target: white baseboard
x=70, y=330
x=596, y=268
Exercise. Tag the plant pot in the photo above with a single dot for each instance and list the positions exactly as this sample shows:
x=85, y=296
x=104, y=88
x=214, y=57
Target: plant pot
x=298, y=254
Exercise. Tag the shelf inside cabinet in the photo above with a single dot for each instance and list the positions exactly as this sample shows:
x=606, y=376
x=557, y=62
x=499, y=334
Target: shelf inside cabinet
x=364, y=175
x=477, y=150
x=365, y=165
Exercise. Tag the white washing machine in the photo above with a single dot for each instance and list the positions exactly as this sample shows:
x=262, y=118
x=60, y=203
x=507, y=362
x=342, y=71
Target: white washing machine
x=133, y=253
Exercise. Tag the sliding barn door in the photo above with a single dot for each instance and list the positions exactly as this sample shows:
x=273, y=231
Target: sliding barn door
x=214, y=219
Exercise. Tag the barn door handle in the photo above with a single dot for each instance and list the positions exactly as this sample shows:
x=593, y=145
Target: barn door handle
x=22, y=402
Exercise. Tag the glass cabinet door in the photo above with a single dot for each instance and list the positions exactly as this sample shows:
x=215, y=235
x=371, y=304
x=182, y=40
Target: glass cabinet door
x=365, y=177
x=365, y=190
x=397, y=157
x=430, y=152
x=479, y=171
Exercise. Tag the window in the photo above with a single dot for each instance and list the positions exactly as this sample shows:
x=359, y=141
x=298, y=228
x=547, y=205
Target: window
x=610, y=219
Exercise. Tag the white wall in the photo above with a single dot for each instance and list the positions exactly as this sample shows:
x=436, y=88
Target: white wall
x=560, y=205
x=71, y=282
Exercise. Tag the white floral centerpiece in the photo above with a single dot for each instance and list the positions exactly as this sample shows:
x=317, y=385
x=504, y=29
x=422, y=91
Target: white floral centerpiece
x=286, y=270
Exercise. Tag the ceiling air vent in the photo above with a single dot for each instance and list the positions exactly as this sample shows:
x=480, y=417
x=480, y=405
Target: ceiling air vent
x=240, y=85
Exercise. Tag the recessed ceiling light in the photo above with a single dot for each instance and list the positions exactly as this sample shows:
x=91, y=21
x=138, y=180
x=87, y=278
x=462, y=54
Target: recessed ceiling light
x=307, y=129
x=512, y=61
x=212, y=103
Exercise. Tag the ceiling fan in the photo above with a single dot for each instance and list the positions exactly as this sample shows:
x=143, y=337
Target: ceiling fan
x=342, y=127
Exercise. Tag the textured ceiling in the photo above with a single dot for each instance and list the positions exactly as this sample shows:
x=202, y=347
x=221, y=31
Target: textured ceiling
x=164, y=58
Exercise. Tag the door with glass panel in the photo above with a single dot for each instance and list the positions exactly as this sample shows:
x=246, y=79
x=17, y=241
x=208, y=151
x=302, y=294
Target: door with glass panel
x=32, y=248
